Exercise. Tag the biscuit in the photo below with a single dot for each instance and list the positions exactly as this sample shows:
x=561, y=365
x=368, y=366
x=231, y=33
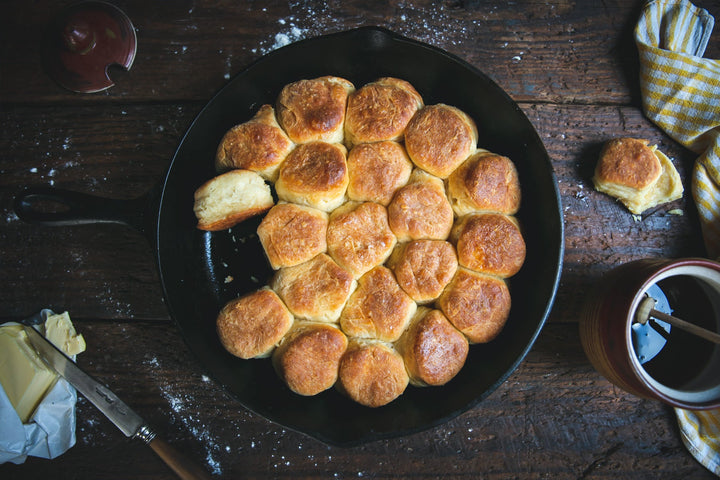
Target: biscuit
x=376, y=171
x=372, y=374
x=439, y=138
x=314, y=110
x=640, y=176
x=251, y=326
x=380, y=110
x=476, y=304
x=359, y=237
x=420, y=209
x=230, y=198
x=291, y=234
x=314, y=174
x=259, y=145
x=315, y=290
x=308, y=358
x=433, y=350
x=485, y=182
x=489, y=243
x=378, y=308
x=423, y=268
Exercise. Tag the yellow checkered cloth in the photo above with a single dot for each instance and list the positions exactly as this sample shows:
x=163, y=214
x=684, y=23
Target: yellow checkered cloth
x=681, y=94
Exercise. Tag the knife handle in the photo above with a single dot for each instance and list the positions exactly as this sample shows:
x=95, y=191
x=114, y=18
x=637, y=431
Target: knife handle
x=184, y=468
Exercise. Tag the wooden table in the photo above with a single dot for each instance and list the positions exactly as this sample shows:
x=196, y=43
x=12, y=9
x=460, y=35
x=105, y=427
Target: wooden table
x=572, y=67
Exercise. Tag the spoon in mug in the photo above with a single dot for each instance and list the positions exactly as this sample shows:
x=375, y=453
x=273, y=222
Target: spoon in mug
x=646, y=311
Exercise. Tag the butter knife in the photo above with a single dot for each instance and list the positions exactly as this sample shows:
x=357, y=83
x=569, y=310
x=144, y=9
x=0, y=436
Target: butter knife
x=129, y=422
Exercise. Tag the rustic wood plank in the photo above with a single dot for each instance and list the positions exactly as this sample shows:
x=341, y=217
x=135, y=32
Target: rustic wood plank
x=560, y=52
x=117, y=152
x=554, y=417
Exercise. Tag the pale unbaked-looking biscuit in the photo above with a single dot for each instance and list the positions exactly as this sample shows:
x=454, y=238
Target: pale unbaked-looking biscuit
x=308, y=358
x=315, y=290
x=485, y=182
x=420, y=209
x=359, y=237
x=378, y=308
x=423, y=268
x=230, y=198
x=259, y=145
x=439, y=138
x=434, y=351
x=489, y=243
x=380, y=110
x=372, y=373
x=640, y=176
x=314, y=174
x=377, y=171
x=476, y=304
x=251, y=326
x=291, y=234
x=310, y=110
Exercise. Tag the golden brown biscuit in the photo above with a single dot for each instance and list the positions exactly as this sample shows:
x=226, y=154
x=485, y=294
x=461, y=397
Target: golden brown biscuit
x=420, y=209
x=485, y=182
x=640, y=176
x=230, y=198
x=259, y=145
x=314, y=174
x=476, y=304
x=378, y=308
x=291, y=234
x=308, y=358
x=314, y=110
x=372, y=373
x=489, y=243
x=376, y=171
x=423, y=268
x=251, y=326
x=315, y=290
x=380, y=110
x=433, y=350
x=359, y=237
x=439, y=138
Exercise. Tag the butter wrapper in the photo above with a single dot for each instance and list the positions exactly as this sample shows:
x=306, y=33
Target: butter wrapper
x=50, y=429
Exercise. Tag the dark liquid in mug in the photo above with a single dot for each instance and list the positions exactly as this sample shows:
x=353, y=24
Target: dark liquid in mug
x=684, y=355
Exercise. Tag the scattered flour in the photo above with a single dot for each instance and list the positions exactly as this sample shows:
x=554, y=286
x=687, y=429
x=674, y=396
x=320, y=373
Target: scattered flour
x=440, y=26
x=108, y=299
x=183, y=407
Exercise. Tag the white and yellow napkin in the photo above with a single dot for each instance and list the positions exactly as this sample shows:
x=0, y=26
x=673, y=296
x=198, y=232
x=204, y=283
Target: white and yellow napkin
x=681, y=94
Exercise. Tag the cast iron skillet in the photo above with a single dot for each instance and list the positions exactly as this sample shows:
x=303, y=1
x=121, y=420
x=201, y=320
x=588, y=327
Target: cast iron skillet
x=194, y=265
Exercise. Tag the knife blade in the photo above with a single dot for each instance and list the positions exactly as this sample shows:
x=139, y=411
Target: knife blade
x=117, y=411
x=129, y=422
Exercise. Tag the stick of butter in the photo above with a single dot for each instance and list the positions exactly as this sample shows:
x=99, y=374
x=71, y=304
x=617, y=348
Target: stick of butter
x=24, y=376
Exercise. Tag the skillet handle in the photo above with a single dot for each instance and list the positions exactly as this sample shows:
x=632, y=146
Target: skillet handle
x=56, y=207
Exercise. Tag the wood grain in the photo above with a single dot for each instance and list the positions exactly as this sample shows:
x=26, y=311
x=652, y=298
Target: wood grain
x=571, y=66
x=557, y=52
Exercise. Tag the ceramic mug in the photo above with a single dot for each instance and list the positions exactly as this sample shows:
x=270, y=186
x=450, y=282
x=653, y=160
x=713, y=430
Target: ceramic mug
x=656, y=360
